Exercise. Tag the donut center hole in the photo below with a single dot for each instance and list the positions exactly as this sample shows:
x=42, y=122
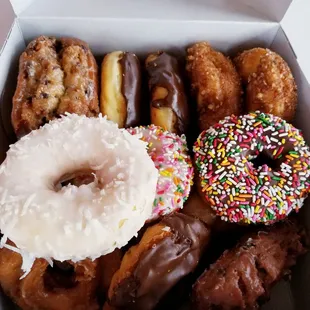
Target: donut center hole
x=264, y=159
x=77, y=178
x=60, y=276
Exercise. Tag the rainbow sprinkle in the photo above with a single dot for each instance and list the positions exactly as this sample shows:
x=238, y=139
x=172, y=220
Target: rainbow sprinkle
x=169, y=153
x=238, y=191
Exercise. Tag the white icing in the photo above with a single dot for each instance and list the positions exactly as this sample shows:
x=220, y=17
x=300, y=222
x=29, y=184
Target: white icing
x=76, y=222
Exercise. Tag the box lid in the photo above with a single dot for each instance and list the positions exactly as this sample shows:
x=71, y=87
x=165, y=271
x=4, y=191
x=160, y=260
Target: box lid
x=296, y=25
x=223, y=10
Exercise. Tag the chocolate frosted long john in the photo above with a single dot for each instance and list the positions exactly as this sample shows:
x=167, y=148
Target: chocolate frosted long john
x=121, y=88
x=167, y=252
x=169, y=107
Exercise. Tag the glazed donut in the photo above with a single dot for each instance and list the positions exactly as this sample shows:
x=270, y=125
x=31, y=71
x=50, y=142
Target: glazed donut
x=73, y=286
x=121, y=88
x=270, y=85
x=169, y=154
x=169, y=107
x=235, y=188
x=74, y=223
x=167, y=252
x=215, y=84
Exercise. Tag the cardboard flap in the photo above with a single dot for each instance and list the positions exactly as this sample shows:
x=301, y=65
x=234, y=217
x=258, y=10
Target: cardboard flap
x=296, y=24
x=7, y=17
x=20, y=5
x=219, y=10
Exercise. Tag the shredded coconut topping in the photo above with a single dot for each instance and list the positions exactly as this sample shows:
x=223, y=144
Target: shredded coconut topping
x=75, y=223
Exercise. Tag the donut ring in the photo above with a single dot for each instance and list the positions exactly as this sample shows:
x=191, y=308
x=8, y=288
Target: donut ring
x=236, y=190
x=76, y=293
x=169, y=154
x=75, y=223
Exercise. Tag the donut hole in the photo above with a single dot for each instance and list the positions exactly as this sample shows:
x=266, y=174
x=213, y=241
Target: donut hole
x=60, y=276
x=77, y=178
x=264, y=159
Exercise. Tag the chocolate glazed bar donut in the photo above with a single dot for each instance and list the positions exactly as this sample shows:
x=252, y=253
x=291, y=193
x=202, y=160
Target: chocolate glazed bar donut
x=51, y=83
x=245, y=274
x=169, y=107
x=167, y=252
x=120, y=98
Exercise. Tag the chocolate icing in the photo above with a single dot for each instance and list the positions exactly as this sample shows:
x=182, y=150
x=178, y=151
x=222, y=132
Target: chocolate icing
x=164, y=72
x=131, y=88
x=244, y=275
x=162, y=266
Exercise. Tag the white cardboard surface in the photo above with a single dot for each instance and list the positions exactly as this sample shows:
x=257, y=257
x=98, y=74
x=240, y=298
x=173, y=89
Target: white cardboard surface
x=296, y=24
x=224, y=10
x=6, y=20
x=143, y=36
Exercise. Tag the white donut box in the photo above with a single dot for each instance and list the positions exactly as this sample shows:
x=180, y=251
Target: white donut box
x=142, y=26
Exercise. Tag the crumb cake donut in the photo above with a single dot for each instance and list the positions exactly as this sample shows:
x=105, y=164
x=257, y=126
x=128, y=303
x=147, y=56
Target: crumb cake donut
x=169, y=154
x=74, y=223
x=215, y=84
x=235, y=188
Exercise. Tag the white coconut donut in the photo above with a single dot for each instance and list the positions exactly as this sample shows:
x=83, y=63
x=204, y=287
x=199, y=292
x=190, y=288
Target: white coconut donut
x=75, y=223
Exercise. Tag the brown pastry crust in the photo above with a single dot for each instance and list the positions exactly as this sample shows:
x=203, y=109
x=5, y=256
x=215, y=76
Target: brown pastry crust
x=248, y=61
x=50, y=84
x=71, y=285
x=215, y=84
x=39, y=86
x=120, y=98
x=167, y=252
x=246, y=273
x=169, y=107
x=80, y=79
x=108, y=265
x=272, y=88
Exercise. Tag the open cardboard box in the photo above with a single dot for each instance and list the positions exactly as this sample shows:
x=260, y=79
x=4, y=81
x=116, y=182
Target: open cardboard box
x=143, y=26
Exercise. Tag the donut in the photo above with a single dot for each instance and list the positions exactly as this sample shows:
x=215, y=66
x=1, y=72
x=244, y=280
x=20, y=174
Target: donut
x=243, y=276
x=167, y=252
x=120, y=98
x=236, y=189
x=169, y=107
x=71, y=285
x=269, y=82
x=215, y=84
x=55, y=76
x=70, y=222
x=248, y=61
x=169, y=154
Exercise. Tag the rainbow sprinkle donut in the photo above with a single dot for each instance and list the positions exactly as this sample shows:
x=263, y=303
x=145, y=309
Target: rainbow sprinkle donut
x=235, y=188
x=169, y=154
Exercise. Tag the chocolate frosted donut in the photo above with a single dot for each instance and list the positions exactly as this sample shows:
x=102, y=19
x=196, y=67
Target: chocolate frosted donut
x=167, y=252
x=226, y=158
x=245, y=274
x=121, y=88
x=169, y=108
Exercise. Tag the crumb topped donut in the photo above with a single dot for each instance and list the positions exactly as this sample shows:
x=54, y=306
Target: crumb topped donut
x=70, y=222
x=169, y=154
x=236, y=189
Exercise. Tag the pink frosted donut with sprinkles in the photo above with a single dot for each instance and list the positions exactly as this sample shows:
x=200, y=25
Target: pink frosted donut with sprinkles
x=169, y=153
x=241, y=191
